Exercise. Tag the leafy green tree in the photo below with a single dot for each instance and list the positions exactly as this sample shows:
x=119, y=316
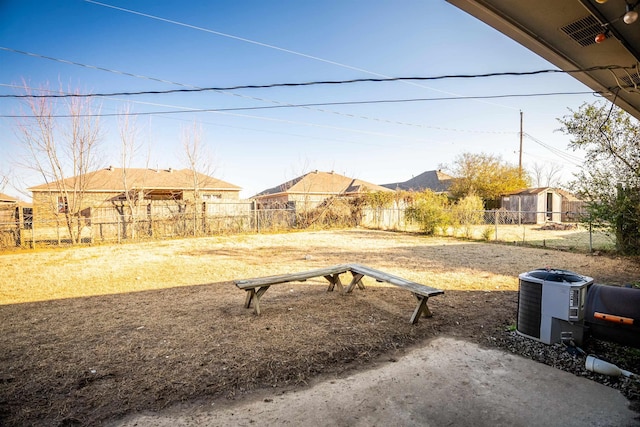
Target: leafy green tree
x=429, y=210
x=610, y=178
x=486, y=176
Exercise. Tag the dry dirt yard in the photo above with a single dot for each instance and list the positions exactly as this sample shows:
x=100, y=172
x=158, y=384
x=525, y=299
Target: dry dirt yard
x=89, y=335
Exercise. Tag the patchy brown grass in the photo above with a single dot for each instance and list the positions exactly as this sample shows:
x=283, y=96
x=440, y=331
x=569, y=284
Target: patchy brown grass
x=90, y=334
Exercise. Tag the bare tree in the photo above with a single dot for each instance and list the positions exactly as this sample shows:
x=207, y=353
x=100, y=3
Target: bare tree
x=553, y=175
x=128, y=206
x=537, y=172
x=191, y=139
x=199, y=162
x=4, y=179
x=546, y=175
x=62, y=150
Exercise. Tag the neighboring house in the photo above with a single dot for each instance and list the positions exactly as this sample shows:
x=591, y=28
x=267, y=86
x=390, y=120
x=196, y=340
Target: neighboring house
x=436, y=181
x=535, y=205
x=109, y=187
x=8, y=207
x=310, y=190
x=13, y=214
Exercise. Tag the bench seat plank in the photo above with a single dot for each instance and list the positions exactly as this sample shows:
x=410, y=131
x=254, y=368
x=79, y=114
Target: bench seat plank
x=292, y=277
x=381, y=276
x=258, y=286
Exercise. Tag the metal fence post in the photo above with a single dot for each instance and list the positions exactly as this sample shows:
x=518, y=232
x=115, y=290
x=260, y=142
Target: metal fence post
x=256, y=217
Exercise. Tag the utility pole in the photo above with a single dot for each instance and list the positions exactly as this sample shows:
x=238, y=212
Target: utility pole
x=521, y=135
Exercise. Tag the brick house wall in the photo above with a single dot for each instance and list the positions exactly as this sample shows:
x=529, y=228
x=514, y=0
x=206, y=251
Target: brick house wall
x=45, y=203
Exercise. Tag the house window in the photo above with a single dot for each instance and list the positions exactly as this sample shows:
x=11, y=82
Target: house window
x=63, y=206
x=211, y=196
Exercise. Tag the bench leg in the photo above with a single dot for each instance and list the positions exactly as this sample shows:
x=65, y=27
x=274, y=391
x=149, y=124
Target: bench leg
x=421, y=309
x=250, y=294
x=254, y=296
x=333, y=281
x=357, y=280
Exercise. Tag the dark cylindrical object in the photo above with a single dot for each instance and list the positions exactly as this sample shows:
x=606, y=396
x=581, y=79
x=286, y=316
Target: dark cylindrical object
x=612, y=313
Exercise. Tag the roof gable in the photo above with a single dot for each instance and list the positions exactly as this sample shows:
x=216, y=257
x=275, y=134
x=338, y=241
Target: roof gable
x=317, y=182
x=114, y=179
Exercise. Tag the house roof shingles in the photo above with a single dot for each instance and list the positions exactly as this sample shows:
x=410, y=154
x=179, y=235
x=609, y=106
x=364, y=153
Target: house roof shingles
x=7, y=199
x=322, y=183
x=113, y=179
x=437, y=181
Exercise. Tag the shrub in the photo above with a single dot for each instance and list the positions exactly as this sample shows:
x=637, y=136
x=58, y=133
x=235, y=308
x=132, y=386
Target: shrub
x=428, y=210
x=467, y=212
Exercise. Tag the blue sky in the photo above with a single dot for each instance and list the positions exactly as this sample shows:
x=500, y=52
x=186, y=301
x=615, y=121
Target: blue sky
x=228, y=43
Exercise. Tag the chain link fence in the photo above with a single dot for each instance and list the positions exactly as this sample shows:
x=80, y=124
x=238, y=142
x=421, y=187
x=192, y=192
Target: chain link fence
x=152, y=222
x=109, y=225
x=531, y=228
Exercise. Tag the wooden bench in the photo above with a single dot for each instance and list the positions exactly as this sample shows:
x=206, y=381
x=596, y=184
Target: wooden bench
x=256, y=287
x=420, y=291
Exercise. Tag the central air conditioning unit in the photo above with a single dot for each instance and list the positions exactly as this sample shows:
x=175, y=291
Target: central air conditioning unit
x=551, y=305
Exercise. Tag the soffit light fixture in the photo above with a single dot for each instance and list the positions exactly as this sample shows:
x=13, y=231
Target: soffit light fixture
x=630, y=16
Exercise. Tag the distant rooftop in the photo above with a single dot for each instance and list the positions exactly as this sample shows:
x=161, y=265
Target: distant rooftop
x=7, y=199
x=112, y=179
x=317, y=182
x=434, y=180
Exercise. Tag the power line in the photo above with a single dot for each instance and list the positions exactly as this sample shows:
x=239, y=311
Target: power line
x=270, y=107
x=116, y=72
x=225, y=90
x=191, y=110
x=309, y=105
x=195, y=88
x=574, y=160
x=94, y=67
x=546, y=159
x=553, y=149
x=227, y=110
x=190, y=89
x=270, y=46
